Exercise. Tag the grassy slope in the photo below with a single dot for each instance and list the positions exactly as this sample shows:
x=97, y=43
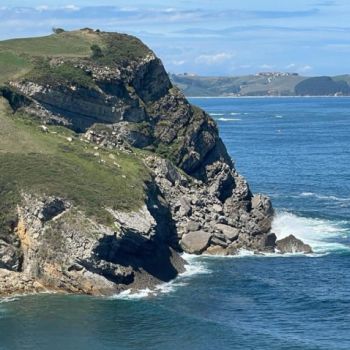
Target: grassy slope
x=47, y=163
x=16, y=55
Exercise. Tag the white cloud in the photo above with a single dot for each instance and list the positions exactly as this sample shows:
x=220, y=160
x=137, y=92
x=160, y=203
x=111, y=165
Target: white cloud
x=217, y=58
x=178, y=63
x=71, y=7
x=290, y=66
x=42, y=8
x=266, y=66
x=305, y=68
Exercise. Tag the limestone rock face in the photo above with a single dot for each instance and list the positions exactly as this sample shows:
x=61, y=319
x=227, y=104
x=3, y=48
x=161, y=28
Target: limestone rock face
x=291, y=244
x=196, y=201
x=72, y=253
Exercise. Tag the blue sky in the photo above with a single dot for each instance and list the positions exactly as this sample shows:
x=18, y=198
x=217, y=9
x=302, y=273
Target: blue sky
x=207, y=37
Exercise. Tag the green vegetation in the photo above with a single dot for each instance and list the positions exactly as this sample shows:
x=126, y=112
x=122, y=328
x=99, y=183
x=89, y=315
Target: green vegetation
x=58, y=163
x=96, y=52
x=121, y=48
x=66, y=44
x=13, y=65
x=262, y=85
x=18, y=57
x=57, y=30
x=61, y=74
x=322, y=86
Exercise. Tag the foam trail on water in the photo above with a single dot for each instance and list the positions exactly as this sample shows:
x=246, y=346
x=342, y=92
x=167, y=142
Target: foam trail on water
x=324, y=197
x=216, y=114
x=229, y=119
x=319, y=233
x=7, y=300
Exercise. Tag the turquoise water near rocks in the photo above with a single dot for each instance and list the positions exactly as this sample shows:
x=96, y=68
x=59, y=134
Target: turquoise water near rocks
x=297, y=150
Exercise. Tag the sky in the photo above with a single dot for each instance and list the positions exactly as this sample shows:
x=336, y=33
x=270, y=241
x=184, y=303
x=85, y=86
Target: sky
x=207, y=37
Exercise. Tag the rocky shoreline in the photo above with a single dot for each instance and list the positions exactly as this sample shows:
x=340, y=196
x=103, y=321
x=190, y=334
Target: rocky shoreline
x=195, y=201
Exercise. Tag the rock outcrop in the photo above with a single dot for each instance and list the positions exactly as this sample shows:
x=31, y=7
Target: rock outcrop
x=196, y=201
x=291, y=244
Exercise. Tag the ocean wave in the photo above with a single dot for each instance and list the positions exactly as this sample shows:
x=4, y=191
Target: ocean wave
x=229, y=119
x=279, y=116
x=235, y=113
x=216, y=114
x=8, y=300
x=324, y=197
x=322, y=235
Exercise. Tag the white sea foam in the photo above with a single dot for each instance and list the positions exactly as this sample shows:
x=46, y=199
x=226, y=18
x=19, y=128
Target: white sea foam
x=235, y=113
x=229, y=119
x=8, y=300
x=216, y=114
x=324, y=197
x=279, y=116
x=195, y=266
x=319, y=233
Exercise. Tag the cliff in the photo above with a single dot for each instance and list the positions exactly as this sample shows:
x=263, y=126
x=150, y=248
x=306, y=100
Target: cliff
x=108, y=173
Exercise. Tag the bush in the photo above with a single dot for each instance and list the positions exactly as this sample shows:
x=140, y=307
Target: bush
x=57, y=30
x=96, y=52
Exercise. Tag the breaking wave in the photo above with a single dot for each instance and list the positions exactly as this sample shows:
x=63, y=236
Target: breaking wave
x=324, y=236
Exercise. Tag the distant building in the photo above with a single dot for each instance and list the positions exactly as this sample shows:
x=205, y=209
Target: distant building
x=275, y=74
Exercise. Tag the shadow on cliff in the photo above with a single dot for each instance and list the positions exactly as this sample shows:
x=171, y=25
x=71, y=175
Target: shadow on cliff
x=156, y=256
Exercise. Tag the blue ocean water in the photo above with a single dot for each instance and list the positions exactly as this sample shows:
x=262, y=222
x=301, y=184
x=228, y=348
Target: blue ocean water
x=297, y=150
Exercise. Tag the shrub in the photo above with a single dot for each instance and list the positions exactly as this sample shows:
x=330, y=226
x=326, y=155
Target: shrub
x=57, y=30
x=96, y=52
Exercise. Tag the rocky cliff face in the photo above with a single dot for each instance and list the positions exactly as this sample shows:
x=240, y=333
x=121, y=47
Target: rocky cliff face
x=196, y=200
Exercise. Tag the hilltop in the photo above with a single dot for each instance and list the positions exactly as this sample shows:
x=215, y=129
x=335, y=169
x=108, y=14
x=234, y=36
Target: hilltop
x=108, y=173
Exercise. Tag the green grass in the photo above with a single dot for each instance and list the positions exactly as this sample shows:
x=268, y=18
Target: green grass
x=121, y=48
x=48, y=164
x=67, y=44
x=63, y=74
x=18, y=57
x=13, y=65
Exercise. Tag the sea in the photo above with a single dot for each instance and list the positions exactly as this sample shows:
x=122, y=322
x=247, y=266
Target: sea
x=297, y=151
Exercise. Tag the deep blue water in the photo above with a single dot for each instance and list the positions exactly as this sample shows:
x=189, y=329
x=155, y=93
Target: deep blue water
x=297, y=150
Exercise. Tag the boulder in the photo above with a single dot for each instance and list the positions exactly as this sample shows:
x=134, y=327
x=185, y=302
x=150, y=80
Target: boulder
x=184, y=207
x=231, y=233
x=291, y=244
x=193, y=226
x=10, y=257
x=216, y=250
x=195, y=242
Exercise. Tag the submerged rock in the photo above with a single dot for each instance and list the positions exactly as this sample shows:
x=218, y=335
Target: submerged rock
x=291, y=244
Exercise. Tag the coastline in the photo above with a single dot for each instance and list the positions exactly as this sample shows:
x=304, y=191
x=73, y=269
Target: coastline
x=263, y=97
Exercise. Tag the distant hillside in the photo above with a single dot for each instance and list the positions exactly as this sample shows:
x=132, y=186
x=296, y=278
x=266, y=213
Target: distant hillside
x=263, y=84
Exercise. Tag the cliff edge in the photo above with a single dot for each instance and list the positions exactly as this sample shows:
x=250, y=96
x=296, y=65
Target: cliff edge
x=108, y=172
